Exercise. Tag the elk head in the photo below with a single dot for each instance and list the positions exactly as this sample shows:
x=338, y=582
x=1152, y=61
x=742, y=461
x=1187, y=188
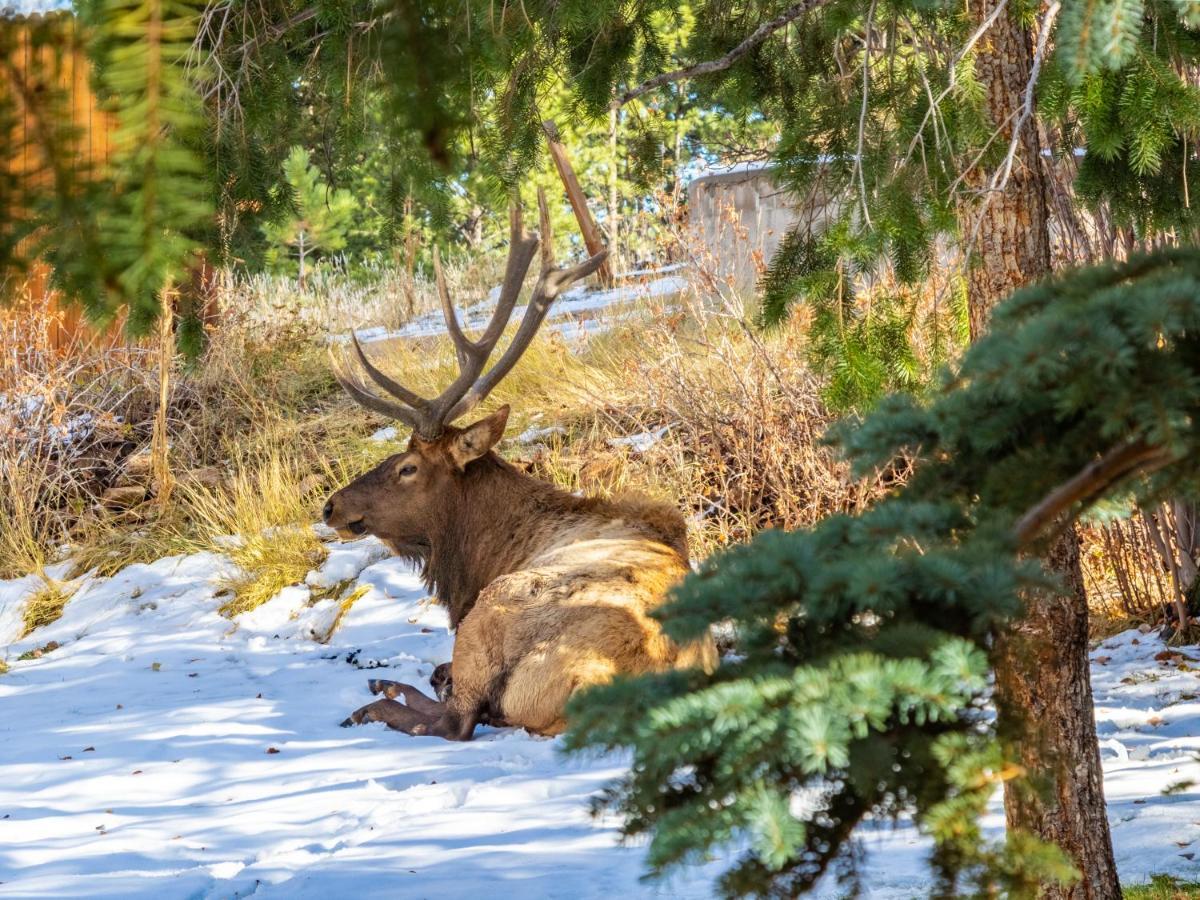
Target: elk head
x=406, y=498
x=409, y=496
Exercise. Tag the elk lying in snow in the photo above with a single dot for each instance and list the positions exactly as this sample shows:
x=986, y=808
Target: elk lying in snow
x=549, y=592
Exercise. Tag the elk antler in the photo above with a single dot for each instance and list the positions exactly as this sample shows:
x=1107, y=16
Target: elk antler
x=429, y=417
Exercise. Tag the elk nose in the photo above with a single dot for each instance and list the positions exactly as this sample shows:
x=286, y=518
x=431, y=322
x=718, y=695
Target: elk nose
x=328, y=510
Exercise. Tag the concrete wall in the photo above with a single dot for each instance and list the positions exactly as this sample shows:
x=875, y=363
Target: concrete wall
x=737, y=219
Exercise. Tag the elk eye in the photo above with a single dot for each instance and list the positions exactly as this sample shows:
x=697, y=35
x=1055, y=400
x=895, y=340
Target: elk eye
x=408, y=470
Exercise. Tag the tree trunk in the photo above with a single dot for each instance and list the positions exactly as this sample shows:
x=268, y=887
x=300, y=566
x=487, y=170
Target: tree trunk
x=614, y=209
x=1012, y=246
x=1043, y=686
x=1044, y=696
x=300, y=238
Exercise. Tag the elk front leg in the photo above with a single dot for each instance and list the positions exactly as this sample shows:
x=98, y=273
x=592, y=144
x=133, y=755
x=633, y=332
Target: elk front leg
x=443, y=719
x=412, y=697
x=393, y=715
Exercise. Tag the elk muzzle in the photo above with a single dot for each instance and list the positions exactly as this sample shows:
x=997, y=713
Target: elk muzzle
x=347, y=525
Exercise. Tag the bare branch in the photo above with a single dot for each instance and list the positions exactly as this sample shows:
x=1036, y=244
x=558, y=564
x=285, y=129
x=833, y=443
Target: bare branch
x=953, y=76
x=862, y=113
x=1090, y=483
x=760, y=34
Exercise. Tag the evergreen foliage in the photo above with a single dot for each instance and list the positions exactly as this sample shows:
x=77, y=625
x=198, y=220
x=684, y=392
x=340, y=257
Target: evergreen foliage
x=320, y=223
x=1135, y=115
x=857, y=681
x=156, y=197
x=864, y=349
x=50, y=200
x=115, y=237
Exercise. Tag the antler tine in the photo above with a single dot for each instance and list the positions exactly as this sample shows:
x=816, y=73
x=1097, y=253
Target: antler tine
x=463, y=347
x=397, y=390
x=551, y=282
x=520, y=255
x=473, y=355
x=371, y=401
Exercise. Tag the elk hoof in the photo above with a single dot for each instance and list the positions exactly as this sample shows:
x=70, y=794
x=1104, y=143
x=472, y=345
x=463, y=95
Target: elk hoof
x=360, y=715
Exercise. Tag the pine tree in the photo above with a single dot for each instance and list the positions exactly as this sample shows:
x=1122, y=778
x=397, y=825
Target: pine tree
x=321, y=220
x=159, y=201
x=860, y=668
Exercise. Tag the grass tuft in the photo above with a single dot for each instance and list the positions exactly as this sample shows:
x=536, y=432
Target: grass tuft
x=261, y=519
x=1162, y=887
x=269, y=564
x=45, y=607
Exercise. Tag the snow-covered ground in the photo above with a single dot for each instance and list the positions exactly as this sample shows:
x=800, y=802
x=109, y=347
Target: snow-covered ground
x=163, y=751
x=576, y=313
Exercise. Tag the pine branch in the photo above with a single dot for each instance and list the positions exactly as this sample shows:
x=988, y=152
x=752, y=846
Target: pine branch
x=1094, y=480
x=760, y=34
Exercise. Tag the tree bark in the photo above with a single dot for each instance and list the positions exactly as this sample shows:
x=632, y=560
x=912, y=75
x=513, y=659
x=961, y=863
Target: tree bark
x=1043, y=685
x=1044, y=700
x=1010, y=225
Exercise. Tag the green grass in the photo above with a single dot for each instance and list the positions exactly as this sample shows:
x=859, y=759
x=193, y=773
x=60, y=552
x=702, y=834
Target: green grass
x=1162, y=887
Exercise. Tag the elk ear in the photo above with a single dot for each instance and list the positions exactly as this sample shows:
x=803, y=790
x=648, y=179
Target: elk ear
x=476, y=440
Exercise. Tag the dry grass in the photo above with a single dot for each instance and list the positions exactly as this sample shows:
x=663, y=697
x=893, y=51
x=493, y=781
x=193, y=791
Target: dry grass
x=270, y=564
x=46, y=606
x=261, y=517
x=260, y=433
x=65, y=419
x=27, y=532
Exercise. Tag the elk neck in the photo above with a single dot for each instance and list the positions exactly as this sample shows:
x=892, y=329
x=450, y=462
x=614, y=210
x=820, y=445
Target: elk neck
x=496, y=520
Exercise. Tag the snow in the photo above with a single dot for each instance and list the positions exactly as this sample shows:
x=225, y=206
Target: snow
x=165, y=751
x=572, y=315
x=33, y=419
x=533, y=434
x=640, y=442
x=385, y=434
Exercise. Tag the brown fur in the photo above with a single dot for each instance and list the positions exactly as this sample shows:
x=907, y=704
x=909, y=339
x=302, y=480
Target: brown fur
x=549, y=592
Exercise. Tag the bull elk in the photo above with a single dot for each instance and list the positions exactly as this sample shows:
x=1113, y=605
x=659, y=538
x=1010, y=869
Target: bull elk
x=549, y=592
